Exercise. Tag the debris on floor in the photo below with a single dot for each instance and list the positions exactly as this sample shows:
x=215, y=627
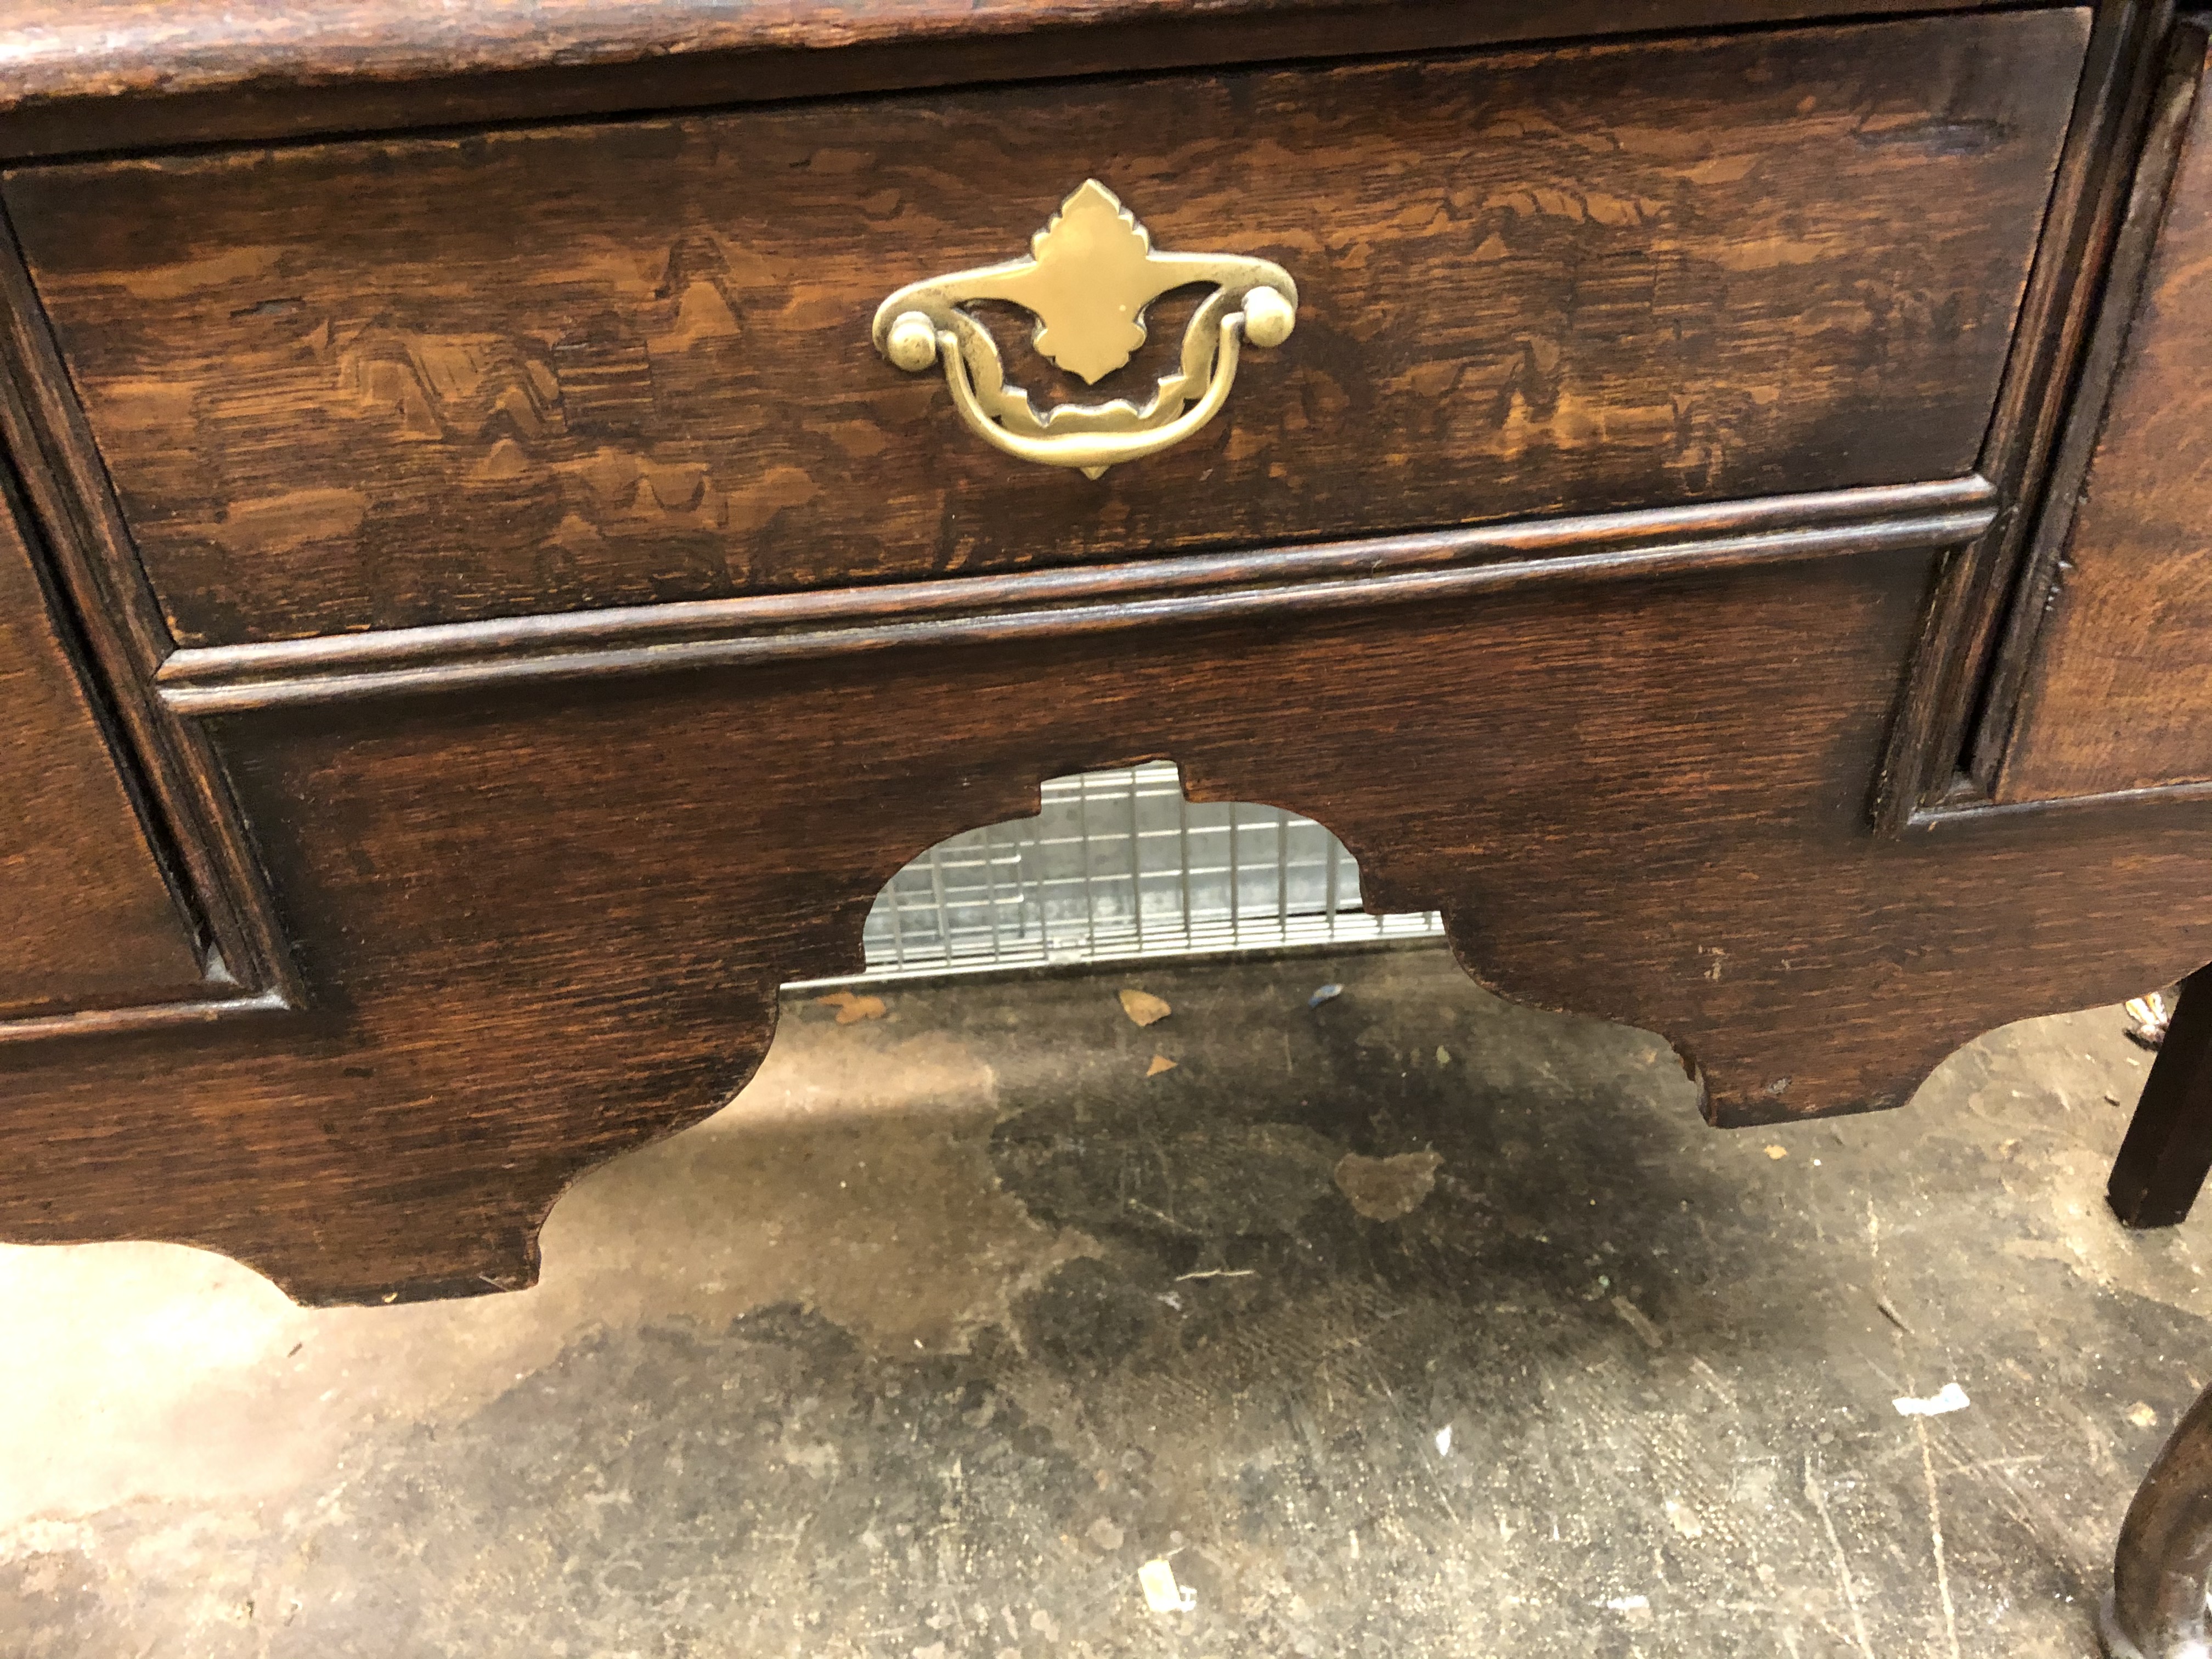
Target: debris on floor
x=2149, y=1017
x=1144, y=1007
x=1948, y=1397
x=1162, y=1593
x=852, y=1007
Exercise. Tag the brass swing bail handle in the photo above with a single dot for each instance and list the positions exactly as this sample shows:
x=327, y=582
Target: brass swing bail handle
x=1091, y=274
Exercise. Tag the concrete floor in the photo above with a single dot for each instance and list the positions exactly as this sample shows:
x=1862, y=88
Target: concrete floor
x=923, y=1348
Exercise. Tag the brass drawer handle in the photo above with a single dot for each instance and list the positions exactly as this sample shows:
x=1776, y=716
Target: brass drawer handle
x=1091, y=273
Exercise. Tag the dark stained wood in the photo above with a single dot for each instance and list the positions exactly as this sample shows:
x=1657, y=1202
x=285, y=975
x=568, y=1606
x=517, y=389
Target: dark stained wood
x=1278, y=583
x=2164, y=1562
x=105, y=74
x=186, y=811
x=1959, y=656
x=2118, y=692
x=2168, y=1150
x=86, y=915
x=391, y=383
x=546, y=923
x=221, y=1003
x=571, y=642
x=2134, y=107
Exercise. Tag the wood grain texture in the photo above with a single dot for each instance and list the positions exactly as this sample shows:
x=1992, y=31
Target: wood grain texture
x=523, y=916
x=108, y=75
x=2061, y=368
x=390, y=384
x=86, y=914
x=95, y=48
x=1961, y=659
x=1279, y=582
x=99, y=585
x=2117, y=694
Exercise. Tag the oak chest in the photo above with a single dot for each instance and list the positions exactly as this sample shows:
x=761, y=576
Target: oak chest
x=1708, y=496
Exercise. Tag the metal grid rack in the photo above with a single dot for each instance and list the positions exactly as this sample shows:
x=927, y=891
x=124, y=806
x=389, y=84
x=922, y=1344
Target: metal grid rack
x=1117, y=866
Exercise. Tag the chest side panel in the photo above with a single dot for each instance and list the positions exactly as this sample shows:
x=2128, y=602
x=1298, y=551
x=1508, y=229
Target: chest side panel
x=87, y=918
x=2118, y=694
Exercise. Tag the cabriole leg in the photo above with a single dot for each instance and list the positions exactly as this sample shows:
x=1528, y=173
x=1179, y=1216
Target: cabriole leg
x=2156, y=1609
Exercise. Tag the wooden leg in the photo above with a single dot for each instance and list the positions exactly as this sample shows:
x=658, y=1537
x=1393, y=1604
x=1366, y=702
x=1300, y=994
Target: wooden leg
x=2156, y=1609
x=2168, y=1148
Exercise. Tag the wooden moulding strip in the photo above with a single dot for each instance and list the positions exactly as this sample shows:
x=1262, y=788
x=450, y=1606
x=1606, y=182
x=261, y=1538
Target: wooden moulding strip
x=1954, y=814
x=1336, y=577
x=157, y=1015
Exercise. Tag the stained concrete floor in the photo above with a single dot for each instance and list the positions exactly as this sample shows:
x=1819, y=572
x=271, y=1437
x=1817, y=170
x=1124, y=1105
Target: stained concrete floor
x=958, y=1317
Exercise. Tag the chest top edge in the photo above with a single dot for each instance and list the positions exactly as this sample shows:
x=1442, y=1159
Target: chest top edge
x=99, y=77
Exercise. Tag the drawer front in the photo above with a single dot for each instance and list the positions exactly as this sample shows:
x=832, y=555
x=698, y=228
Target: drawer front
x=2118, y=693
x=86, y=916
x=377, y=384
